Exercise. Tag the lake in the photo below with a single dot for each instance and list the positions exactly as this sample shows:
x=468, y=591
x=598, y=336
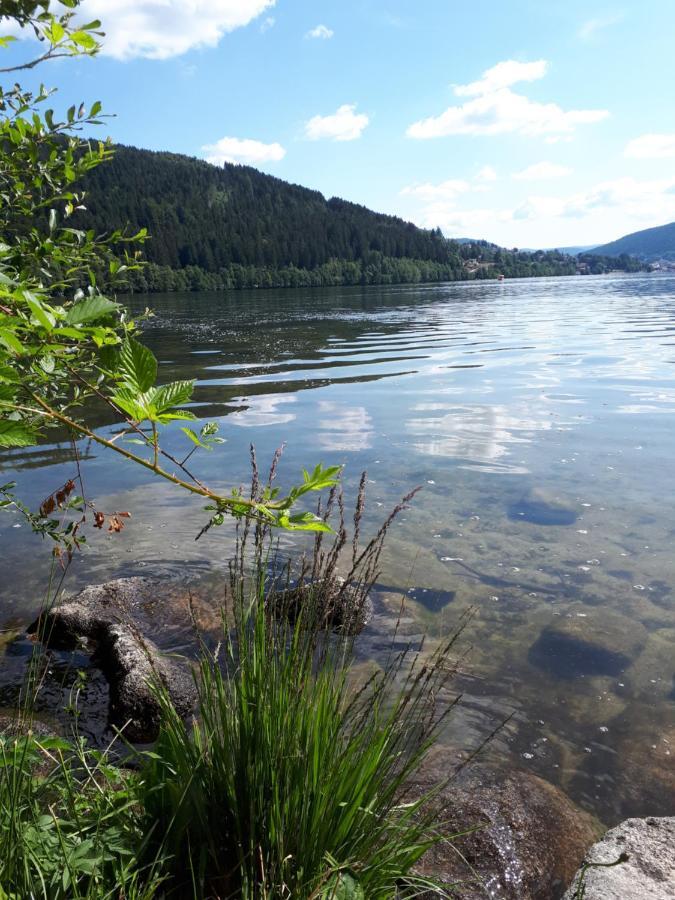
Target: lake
x=538, y=416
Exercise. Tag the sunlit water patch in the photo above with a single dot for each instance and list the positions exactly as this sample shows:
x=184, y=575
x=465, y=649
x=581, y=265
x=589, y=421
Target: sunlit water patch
x=538, y=418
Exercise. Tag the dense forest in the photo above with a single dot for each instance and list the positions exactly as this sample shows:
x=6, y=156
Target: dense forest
x=215, y=228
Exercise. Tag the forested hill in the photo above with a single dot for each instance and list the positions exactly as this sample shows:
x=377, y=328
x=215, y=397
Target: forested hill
x=233, y=226
x=650, y=244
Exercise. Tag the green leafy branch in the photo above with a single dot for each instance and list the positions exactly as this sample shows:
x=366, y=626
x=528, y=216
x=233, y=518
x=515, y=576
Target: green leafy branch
x=59, y=33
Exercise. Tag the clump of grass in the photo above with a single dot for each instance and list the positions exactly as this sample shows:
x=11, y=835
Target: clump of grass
x=287, y=781
x=290, y=784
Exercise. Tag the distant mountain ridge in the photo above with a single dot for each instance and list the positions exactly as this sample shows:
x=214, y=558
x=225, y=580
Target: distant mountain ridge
x=648, y=245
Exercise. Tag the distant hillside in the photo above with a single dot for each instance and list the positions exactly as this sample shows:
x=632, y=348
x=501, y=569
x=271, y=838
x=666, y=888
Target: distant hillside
x=221, y=227
x=650, y=244
x=575, y=251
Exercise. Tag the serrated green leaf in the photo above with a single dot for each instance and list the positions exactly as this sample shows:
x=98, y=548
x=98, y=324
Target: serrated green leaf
x=165, y=418
x=137, y=365
x=132, y=404
x=16, y=434
x=171, y=395
x=90, y=310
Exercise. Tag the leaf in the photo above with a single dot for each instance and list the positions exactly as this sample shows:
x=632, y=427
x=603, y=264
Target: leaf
x=48, y=363
x=343, y=886
x=16, y=434
x=306, y=521
x=171, y=395
x=193, y=437
x=43, y=316
x=84, y=40
x=9, y=339
x=164, y=418
x=55, y=32
x=137, y=365
x=132, y=404
x=90, y=310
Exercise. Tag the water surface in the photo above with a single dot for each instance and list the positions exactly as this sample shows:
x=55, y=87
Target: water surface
x=537, y=416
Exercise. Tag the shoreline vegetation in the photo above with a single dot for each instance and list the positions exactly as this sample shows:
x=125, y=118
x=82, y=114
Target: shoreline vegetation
x=378, y=270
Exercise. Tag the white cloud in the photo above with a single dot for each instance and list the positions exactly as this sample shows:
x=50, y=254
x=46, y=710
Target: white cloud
x=503, y=75
x=487, y=173
x=541, y=171
x=600, y=213
x=238, y=150
x=591, y=27
x=641, y=201
x=651, y=146
x=323, y=32
x=496, y=109
x=446, y=190
x=267, y=23
x=344, y=125
x=160, y=29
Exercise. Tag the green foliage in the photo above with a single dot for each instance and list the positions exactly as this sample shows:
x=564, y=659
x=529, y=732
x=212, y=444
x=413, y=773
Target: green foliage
x=64, y=343
x=649, y=244
x=288, y=782
x=69, y=827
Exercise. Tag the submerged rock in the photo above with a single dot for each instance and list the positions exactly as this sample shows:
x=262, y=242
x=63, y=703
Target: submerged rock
x=106, y=619
x=540, y=508
x=647, y=847
x=529, y=837
x=334, y=605
x=588, y=643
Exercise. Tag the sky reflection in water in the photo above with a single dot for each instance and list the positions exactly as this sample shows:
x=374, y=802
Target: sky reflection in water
x=537, y=416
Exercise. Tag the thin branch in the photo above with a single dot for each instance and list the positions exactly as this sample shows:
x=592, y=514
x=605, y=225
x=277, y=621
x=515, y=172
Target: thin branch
x=36, y=62
x=222, y=502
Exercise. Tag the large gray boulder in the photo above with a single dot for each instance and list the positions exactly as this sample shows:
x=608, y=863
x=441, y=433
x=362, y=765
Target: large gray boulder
x=108, y=620
x=527, y=841
x=648, y=869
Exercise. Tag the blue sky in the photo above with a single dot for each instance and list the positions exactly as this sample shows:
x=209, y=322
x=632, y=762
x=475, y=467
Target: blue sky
x=528, y=123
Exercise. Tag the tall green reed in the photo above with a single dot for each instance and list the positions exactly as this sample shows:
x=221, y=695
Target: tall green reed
x=290, y=782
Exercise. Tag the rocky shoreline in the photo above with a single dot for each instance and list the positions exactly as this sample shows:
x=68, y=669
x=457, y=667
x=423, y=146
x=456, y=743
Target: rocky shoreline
x=518, y=837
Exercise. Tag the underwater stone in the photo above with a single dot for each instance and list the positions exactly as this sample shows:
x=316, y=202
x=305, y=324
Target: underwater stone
x=541, y=508
x=588, y=643
x=334, y=605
